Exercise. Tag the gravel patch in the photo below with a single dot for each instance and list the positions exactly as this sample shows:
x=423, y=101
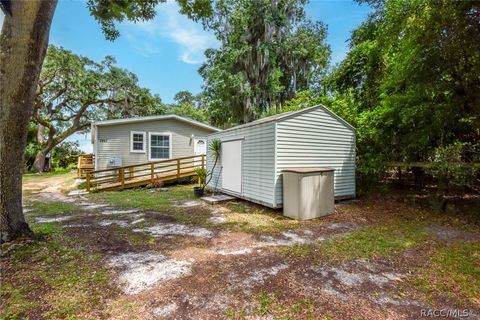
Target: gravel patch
x=188, y=204
x=137, y=221
x=234, y=252
x=386, y=300
x=91, y=205
x=77, y=193
x=287, y=238
x=212, y=302
x=255, y=277
x=341, y=226
x=142, y=271
x=351, y=279
x=174, y=229
x=345, y=276
x=52, y=219
x=165, y=311
x=217, y=220
x=106, y=223
x=115, y=212
x=451, y=234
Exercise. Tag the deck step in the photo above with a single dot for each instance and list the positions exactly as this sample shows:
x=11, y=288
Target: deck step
x=217, y=198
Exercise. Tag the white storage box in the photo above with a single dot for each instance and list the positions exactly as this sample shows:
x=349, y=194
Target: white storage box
x=308, y=193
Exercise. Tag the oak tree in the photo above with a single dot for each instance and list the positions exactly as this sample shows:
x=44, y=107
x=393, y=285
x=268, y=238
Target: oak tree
x=74, y=90
x=23, y=44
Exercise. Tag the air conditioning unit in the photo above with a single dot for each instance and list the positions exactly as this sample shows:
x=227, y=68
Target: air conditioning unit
x=114, y=161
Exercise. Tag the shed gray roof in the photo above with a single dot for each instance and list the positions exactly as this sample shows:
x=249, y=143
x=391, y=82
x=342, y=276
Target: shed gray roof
x=152, y=118
x=290, y=114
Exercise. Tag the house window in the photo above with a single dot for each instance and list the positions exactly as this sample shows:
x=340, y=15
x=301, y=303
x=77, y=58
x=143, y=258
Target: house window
x=160, y=145
x=137, y=141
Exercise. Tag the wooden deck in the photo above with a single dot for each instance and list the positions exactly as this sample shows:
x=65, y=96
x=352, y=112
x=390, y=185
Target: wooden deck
x=144, y=173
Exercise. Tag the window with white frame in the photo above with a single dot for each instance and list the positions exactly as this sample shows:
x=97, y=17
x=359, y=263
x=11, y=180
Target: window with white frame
x=137, y=141
x=160, y=145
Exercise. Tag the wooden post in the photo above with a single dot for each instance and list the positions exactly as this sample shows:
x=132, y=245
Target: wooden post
x=178, y=169
x=121, y=174
x=130, y=173
x=203, y=161
x=195, y=166
x=152, y=171
x=79, y=166
x=88, y=181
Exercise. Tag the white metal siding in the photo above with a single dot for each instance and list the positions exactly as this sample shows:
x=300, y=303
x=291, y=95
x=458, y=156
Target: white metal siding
x=258, y=163
x=316, y=139
x=117, y=140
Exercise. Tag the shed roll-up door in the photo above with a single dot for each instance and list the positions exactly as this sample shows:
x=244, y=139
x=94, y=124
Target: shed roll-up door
x=232, y=165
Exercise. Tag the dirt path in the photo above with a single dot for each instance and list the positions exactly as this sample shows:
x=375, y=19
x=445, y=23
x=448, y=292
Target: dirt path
x=50, y=188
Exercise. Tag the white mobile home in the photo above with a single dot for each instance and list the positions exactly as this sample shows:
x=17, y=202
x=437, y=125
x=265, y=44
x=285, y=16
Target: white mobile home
x=253, y=155
x=124, y=142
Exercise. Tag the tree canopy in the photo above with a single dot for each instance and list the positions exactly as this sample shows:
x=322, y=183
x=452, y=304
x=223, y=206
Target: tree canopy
x=268, y=51
x=73, y=90
x=410, y=84
x=414, y=70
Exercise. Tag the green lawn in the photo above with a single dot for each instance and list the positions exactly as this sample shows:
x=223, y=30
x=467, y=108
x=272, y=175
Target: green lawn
x=54, y=277
x=370, y=242
x=148, y=199
x=454, y=270
x=52, y=208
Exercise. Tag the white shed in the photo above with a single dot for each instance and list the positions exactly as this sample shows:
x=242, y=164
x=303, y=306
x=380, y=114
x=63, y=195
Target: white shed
x=254, y=154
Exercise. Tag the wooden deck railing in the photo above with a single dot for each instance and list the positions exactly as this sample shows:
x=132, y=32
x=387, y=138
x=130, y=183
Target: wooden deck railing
x=137, y=174
x=86, y=163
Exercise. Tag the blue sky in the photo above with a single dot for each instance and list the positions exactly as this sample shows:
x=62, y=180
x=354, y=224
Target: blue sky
x=166, y=52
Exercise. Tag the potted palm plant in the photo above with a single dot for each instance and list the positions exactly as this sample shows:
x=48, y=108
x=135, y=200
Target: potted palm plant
x=204, y=176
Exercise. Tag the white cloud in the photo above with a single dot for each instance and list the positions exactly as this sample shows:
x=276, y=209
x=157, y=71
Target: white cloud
x=1, y=19
x=190, y=37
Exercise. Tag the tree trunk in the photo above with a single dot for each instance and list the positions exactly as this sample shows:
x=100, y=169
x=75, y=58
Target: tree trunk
x=41, y=134
x=40, y=159
x=23, y=44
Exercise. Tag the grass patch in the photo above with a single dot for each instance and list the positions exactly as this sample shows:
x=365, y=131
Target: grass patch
x=243, y=217
x=52, y=208
x=144, y=198
x=251, y=218
x=52, y=279
x=259, y=221
x=367, y=243
x=269, y=305
x=133, y=238
x=161, y=201
x=454, y=271
x=41, y=176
